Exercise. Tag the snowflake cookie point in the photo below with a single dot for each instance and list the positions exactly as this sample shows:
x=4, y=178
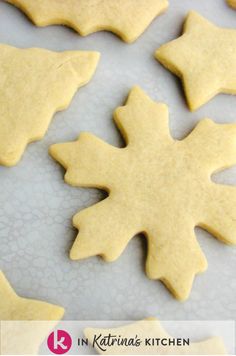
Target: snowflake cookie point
x=157, y=186
x=154, y=116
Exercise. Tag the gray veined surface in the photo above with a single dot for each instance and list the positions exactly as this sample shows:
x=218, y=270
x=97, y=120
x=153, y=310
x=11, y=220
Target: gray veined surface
x=36, y=206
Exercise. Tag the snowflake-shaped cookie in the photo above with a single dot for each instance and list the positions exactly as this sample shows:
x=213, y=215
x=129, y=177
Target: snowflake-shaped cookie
x=128, y=19
x=157, y=186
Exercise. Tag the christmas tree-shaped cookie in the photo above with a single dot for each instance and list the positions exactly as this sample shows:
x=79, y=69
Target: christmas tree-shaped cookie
x=34, y=84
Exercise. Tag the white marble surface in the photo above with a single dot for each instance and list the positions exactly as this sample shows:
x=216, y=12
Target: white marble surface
x=36, y=206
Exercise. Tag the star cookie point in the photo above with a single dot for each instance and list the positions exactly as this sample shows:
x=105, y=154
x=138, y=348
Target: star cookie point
x=24, y=322
x=14, y=307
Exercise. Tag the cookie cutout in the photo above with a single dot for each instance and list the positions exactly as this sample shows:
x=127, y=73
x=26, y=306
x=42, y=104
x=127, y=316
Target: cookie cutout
x=13, y=307
x=151, y=329
x=34, y=84
x=24, y=323
x=204, y=58
x=232, y=3
x=157, y=186
x=128, y=19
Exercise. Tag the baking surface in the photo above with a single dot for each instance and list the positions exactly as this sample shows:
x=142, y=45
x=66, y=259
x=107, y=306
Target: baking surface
x=36, y=206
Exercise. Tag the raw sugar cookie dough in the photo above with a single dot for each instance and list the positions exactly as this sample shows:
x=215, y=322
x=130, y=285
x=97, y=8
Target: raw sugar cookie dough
x=157, y=186
x=128, y=19
x=13, y=307
x=204, y=58
x=151, y=329
x=24, y=323
x=34, y=84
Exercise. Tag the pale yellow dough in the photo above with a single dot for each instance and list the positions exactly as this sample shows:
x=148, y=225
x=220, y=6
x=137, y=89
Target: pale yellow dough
x=13, y=307
x=34, y=84
x=157, y=186
x=152, y=329
x=128, y=19
x=232, y=3
x=24, y=323
x=204, y=58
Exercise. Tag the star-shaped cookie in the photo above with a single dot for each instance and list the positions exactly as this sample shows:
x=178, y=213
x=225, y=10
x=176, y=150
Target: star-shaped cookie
x=34, y=84
x=128, y=19
x=24, y=322
x=149, y=331
x=204, y=58
x=157, y=186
